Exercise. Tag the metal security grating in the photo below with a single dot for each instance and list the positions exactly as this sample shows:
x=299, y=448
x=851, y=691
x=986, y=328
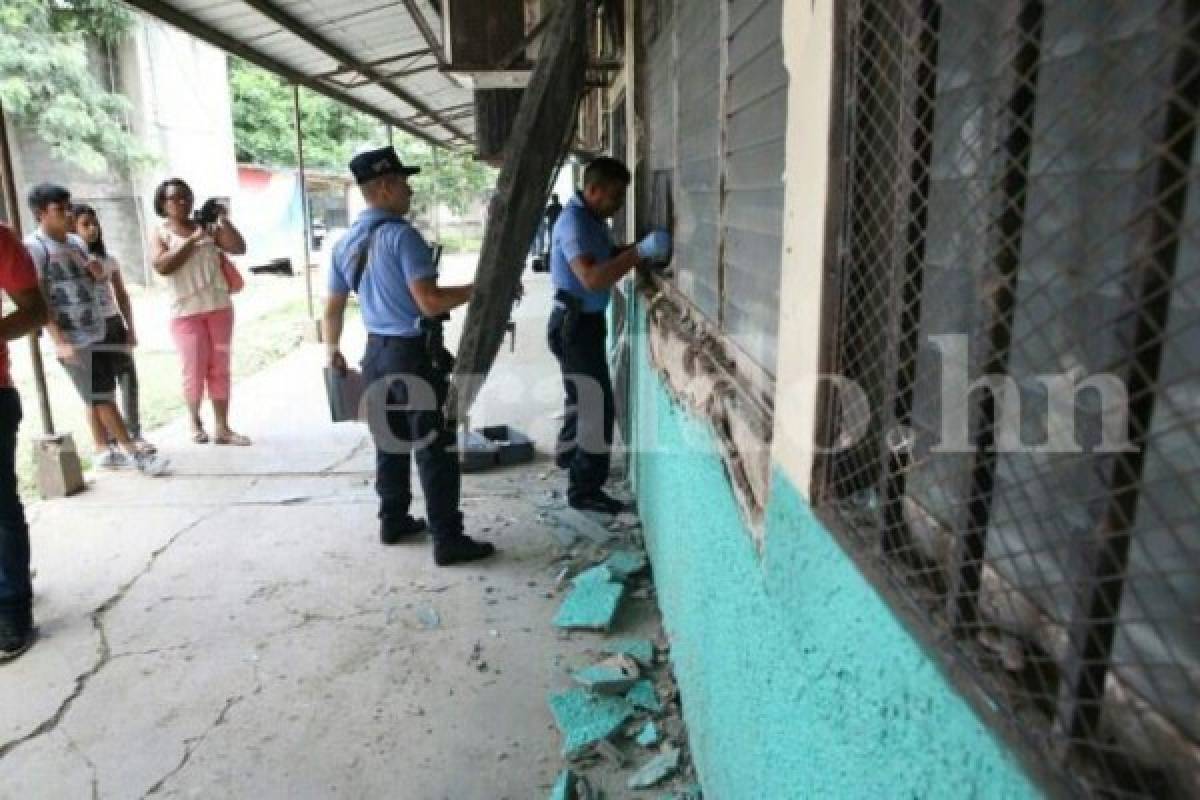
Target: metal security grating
x=1012, y=414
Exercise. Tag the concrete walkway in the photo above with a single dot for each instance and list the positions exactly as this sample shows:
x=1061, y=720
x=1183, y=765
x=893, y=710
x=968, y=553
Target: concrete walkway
x=236, y=630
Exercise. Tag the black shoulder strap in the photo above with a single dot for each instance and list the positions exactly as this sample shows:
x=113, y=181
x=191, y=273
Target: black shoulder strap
x=363, y=256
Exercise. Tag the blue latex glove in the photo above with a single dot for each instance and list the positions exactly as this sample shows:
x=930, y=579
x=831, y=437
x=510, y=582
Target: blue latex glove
x=655, y=246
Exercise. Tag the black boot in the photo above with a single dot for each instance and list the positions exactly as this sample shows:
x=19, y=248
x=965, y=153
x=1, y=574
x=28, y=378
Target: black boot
x=459, y=549
x=599, y=501
x=400, y=530
x=17, y=635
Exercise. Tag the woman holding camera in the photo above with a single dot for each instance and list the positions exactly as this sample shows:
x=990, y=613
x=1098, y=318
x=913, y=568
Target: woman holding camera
x=189, y=250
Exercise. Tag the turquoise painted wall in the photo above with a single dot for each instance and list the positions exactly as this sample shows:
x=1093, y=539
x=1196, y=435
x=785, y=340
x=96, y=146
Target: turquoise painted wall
x=796, y=678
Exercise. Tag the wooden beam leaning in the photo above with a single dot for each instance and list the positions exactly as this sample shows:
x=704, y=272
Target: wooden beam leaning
x=540, y=135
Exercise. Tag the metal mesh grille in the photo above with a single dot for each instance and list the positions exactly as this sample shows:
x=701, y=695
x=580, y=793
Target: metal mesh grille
x=1015, y=433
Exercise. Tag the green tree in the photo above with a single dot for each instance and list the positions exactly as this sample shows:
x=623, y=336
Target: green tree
x=264, y=133
x=47, y=84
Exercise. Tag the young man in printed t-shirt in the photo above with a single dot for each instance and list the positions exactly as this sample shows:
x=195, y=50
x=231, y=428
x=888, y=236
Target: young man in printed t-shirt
x=19, y=280
x=68, y=277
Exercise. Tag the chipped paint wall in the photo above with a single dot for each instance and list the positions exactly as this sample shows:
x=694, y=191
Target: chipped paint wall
x=797, y=681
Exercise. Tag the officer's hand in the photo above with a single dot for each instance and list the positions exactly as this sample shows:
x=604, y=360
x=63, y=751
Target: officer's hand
x=655, y=246
x=338, y=362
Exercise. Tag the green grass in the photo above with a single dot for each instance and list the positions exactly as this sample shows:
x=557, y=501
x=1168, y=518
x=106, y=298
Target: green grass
x=454, y=242
x=258, y=343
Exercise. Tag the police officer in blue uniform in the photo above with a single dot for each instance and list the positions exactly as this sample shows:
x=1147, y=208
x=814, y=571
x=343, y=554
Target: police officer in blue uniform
x=584, y=266
x=387, y=263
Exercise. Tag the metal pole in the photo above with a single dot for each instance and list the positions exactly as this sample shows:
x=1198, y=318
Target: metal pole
x=308, y=290
x=389, y=131
x=437, y=217
x=14, y=215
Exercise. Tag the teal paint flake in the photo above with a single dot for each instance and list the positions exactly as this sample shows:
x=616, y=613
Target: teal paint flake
x=649, y=735
x=640, y=650
x=593, y=603
x=624, y=564
x=585, y=718
x=564, y=787
x=644, y=696
x=605, y=679
x=656, y=770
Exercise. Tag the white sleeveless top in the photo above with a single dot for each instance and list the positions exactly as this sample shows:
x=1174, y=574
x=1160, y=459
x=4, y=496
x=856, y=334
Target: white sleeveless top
x=198, y=286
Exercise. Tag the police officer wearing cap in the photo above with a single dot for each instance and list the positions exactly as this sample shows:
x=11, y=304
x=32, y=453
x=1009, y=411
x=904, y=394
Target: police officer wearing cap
x=386, y=262
x=584, y=266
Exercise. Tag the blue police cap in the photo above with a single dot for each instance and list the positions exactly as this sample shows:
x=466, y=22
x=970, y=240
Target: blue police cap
x=376, y=163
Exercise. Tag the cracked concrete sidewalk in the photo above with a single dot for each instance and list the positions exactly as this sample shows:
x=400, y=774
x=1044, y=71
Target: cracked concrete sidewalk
x=237, y=629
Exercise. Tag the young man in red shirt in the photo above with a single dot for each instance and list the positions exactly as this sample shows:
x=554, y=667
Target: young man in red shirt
x=20, y=281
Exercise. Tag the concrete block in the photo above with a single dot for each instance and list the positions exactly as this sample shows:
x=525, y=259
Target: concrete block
x=649, y=735
x=585, y=718
x=564, y=786
x=640, y=650
x=593, y=603
x=656, y=770
x=644, y=696
x=615, y=675
x=624, y=564
x=56, y=461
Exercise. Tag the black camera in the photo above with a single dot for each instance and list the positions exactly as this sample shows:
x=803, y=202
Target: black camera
x=208, y=213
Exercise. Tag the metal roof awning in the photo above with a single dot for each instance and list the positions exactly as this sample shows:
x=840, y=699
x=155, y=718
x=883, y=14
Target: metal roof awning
x=381, y=57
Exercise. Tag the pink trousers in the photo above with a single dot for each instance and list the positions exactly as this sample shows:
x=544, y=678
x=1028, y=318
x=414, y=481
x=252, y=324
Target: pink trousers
x=204, y=343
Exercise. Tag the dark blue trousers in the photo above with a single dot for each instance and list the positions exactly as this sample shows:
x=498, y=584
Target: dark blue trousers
x=399, y=370
x=585, y=440
x=16, y=593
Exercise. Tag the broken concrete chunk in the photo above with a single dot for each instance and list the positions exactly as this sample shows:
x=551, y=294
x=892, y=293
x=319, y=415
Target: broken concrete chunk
x=585, y=718
x=624, y=564
x=615, y=675
x=644, y=696
x=656, y=770
x=649, y=735
x=580, y=525
x=593, y=603
x=428, y=617
x=640, y=650
x=564, y=787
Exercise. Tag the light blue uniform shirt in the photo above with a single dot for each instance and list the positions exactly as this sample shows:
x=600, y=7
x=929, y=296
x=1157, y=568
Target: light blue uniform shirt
x=398, y=255
x=579, y=232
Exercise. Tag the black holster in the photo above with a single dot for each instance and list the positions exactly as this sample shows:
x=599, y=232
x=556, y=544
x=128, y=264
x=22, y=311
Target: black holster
x=439, y=356
x=572, y=307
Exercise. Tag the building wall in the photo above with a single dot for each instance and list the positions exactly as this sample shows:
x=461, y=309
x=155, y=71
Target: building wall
x=179, y=91
x=796, y=678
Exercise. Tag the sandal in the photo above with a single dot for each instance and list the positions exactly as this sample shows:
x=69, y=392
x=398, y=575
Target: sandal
x=199, y=436
x=142, y=446
x=231, y=438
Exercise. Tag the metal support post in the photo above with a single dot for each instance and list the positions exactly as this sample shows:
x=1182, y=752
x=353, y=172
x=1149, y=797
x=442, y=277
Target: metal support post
x=11, y=204
x=307, y=222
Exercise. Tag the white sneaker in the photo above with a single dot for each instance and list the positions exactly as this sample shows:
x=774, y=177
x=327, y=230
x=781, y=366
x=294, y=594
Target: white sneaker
x=151, y=465
x=113, y=459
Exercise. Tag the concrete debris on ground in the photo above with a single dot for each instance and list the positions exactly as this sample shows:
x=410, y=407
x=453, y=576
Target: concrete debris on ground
x=614, y=675
x=621, y=707
x=640, y=650
x=656, y=770
x=585, y=718
x=644, y=696
x=649, y=735
x=624, y=564
x=592, y=603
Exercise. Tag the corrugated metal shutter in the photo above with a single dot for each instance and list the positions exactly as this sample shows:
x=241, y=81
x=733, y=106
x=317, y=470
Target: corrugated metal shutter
x=698, y=99
x=755, y=133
